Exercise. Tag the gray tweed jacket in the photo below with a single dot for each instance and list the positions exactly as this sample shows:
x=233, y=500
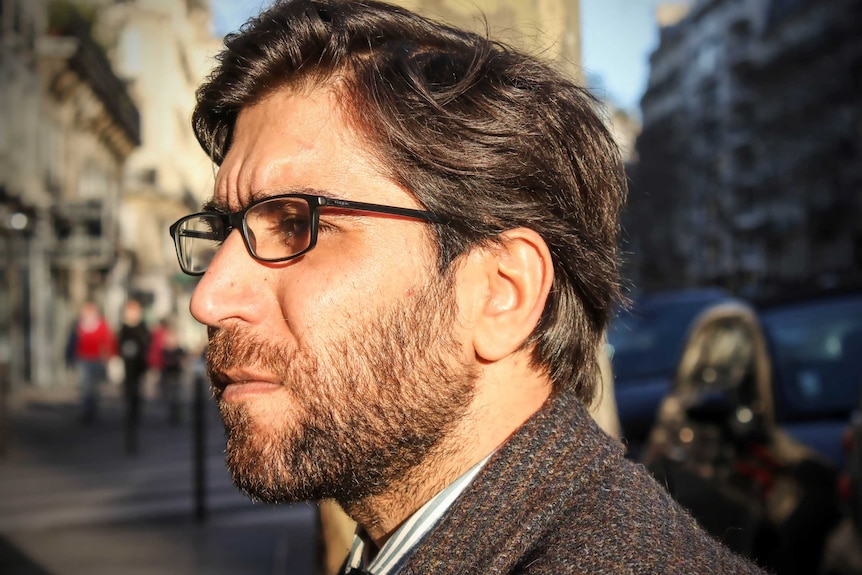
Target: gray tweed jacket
x=559, y=498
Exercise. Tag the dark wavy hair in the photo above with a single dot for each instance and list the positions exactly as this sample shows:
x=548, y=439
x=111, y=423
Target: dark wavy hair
x=482, y=134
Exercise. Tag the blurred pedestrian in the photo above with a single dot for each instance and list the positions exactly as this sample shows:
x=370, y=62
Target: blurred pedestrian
x=91, y=345
x=172, y=364
x=154, y=354
x=134, y=340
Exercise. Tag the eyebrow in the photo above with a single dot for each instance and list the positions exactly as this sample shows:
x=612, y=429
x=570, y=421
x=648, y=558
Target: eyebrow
x=214, y=205
x=258, y=195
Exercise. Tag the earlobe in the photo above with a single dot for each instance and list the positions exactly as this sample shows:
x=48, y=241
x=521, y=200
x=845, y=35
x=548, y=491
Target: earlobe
x=519, y=274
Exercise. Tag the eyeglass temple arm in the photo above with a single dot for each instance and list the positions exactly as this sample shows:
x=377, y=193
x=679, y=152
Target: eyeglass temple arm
x=365, y=207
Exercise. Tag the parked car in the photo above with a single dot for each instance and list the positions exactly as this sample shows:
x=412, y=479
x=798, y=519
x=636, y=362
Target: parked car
x=815, y=345
x=645, y=343
x=722, y=454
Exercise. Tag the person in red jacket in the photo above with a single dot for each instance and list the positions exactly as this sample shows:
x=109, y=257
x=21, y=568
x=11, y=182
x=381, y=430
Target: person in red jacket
x=93, y=343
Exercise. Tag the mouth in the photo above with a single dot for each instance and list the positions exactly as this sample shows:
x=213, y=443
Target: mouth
x=234, y=383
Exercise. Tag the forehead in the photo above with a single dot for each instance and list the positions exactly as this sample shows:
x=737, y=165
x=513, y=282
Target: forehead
x=294, y=141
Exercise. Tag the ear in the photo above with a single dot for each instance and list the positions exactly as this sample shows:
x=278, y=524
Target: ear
x=517, y=275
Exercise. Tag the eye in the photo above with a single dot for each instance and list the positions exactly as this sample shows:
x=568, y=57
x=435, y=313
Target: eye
x=292, y=226
x=280, y=227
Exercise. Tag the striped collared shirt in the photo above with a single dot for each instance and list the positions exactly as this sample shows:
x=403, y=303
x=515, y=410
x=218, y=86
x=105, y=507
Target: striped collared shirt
x=388, y=561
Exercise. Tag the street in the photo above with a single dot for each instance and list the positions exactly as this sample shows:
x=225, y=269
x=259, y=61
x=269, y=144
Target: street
x=73, y=502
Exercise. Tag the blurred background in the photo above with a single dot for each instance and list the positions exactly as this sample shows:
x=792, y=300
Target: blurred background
x=737, y=365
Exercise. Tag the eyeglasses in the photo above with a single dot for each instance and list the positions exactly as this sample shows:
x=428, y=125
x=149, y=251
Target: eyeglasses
x=274, y=229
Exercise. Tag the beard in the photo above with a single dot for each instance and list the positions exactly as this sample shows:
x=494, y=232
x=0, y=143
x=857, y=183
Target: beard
x=358, y=413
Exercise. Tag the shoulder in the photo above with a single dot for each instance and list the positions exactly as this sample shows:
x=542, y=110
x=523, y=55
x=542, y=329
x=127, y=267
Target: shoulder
x=627, y=523
x=560, y=497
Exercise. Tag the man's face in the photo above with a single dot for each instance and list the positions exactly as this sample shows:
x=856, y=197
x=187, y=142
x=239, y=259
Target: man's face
x=339, y=371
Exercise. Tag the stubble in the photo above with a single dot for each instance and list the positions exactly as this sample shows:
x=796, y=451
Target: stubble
x=364, y=409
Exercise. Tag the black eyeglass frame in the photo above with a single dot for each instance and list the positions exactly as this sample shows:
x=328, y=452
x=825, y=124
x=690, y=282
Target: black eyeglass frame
x=236, y=220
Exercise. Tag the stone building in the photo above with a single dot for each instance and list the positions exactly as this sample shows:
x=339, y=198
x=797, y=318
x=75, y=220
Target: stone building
x=22, y=194
x=750, y=164
x=548, y=28
x=68, y=127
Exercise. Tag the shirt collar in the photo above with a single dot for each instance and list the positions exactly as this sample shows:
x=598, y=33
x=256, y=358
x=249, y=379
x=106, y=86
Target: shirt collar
x=410, y=532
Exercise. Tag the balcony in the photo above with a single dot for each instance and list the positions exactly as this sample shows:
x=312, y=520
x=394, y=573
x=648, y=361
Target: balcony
x=91, y=64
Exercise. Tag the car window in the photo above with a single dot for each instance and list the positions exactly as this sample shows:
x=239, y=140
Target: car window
x=817, y=355
x=648, y=339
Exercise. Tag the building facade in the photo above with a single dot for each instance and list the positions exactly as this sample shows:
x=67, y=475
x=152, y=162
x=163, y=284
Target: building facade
x=68, y=128
x=22, y=196
x=750, y=164
x=547, y=28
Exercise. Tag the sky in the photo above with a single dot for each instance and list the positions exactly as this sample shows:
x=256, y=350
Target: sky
x=617, y=35
x=617, y=38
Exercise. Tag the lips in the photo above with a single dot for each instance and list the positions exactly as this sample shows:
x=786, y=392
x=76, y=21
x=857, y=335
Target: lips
x=245, y=379
x=233, y=362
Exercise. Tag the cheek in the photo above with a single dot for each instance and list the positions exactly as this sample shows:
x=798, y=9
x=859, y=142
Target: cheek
x=325, y=302
x=315, y=310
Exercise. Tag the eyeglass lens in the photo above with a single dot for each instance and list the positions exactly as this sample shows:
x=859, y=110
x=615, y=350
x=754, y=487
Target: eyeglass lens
x=198, y=238
x=275, y=229
x=278, y=228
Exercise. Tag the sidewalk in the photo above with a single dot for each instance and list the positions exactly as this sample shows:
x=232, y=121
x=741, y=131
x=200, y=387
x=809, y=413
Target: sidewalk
x=73, y=502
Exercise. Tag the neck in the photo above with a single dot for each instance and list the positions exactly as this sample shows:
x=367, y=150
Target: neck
x=504, y=400
x=381, y=515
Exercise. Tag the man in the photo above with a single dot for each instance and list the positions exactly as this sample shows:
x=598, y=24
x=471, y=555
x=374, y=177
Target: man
x=407, y=267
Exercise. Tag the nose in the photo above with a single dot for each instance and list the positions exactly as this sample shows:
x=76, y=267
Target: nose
x=227, y=290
